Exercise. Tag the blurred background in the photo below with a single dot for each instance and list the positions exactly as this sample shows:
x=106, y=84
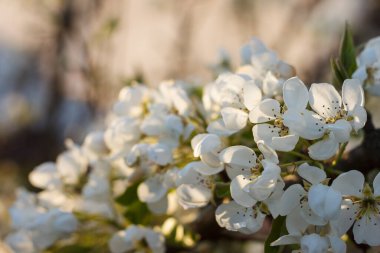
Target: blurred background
x=63, y=62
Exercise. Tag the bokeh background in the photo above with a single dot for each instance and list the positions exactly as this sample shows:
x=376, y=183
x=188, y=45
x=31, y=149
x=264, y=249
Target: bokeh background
x=63, y=61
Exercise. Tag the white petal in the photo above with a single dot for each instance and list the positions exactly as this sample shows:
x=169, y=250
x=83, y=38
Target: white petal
x=263, y=187
x=234, y=170
x=268, y=109
x=324, y=149
x=376, y=185
x=218, y=127
x=274, y=201
x=211, y=159
x=349, y=183
x=204, y=143
x=206, y=170
x=346, y=217
x=252, y=95
x=360, y=74
x=268, y=152
x=285, y=143
x=337, y=244
x=45, y=176
x=238, y=155
x=193, y=196
x=238, y=194
x=312, y=174
x=155, y=240
x=238, y=218
x=295, y=223
x=151, y=190
x=306, y=124
x=286, y=240
x=118, y=244
x=291, y=198
x=309, y=216
x=367, y=230
x=296, y=95
x=233, y=118
x=314, y=243
x=265, y=132
x=352, y=94
x=341, y=129
x=160, y=154
x=359, y=115
x=272, y=85
x=324, y=99
x=153, y=125
x=324, y=201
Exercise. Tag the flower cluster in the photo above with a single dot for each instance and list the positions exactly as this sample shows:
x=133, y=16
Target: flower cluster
x=255, y=143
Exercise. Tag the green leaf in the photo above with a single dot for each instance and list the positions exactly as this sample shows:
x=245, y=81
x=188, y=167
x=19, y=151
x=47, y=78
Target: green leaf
x=278, y=227
x=347, y=53
x=222, y=190
x=337, y=78
x=138, y=213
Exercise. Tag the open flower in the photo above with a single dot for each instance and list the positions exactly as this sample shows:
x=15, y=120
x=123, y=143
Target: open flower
x=195, y=184
x=278, y=126
x=235, y=217
x=361, y=207
x=313, y=243
x=340, y=115
x=317, y=204
x=132, y=240
x=368, y=71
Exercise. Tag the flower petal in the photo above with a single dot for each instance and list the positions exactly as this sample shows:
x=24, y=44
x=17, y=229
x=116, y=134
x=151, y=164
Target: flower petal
x=324, y=99
x=306, y=124
x=204, y=143
x=312, y=174
x=285, y=143
x=265, y=132
x=324, y=201
x=266, y=110
x=367, y=230
x=238, y=194
x=233, y=118
x=151, y=190
x=346, y=218
x=291, y=199
x=359, y=115
x=376, y=185
x=324, y=149
x=206, y=170
x=252, y=95
x=350, y=183
x=352, y=94
x=341, y=129
x=193, y=196
x=296, y=95
x=238, y=155
x=268, y=152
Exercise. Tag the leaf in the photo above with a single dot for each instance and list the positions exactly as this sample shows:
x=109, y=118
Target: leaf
x=138, y=213
x=222, y=190
x=278, y=227
x=347, y=53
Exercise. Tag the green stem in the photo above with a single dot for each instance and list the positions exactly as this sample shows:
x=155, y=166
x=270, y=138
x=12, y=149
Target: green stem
x=300, y=155
x=294, y=163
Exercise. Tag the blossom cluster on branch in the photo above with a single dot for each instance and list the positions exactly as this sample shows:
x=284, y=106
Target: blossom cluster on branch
x=255, y=144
